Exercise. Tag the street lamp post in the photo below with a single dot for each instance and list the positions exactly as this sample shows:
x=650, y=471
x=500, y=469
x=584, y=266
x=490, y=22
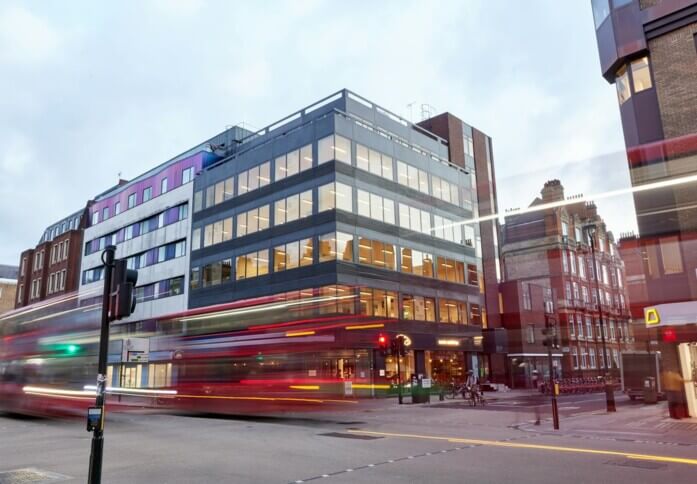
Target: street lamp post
x=609, y=391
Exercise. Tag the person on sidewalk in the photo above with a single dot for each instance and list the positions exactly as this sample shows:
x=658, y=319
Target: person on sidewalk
x=673, y=383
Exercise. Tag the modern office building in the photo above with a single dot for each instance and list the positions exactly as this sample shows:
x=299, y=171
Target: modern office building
x=8, y=287
x=648, y=49
x=548, y=245
x=347, y=200
x=52, y=268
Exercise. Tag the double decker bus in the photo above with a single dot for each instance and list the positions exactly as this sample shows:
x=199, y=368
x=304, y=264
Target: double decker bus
x=277, y=353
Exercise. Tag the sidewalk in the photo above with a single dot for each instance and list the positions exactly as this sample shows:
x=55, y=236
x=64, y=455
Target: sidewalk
x=636, y=423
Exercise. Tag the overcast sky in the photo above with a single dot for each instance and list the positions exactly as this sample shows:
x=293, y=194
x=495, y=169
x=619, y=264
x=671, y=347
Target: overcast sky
x=91, y=89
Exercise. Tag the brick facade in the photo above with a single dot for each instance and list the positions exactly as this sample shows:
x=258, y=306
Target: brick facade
x=674, y=62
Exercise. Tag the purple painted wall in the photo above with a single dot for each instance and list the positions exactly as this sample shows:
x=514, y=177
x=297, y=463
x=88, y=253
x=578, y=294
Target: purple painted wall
x=173, y=173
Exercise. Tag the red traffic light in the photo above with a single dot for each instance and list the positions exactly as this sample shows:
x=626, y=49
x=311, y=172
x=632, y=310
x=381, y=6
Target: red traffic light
x=669, y=335
x=382, y=340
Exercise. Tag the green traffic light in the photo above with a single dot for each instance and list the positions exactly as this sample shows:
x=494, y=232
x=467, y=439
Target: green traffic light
x=72, y=349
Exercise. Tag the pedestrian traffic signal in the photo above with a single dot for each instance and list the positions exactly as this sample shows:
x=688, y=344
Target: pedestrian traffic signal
x=123, y=299
x=383, y=345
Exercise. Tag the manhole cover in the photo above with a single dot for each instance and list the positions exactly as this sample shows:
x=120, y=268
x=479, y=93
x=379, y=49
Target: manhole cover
x=30, y=476
x=639, y=464
x=346, y=436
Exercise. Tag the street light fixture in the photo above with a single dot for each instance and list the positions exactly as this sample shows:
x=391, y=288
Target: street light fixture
x=590, y=231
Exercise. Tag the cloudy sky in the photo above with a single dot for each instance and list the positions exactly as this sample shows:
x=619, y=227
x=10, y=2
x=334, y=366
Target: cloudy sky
x=90, y=89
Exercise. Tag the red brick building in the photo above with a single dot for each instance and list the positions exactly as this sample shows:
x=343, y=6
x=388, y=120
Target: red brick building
x=548, y=245
x=52, y=268
x=527, y=309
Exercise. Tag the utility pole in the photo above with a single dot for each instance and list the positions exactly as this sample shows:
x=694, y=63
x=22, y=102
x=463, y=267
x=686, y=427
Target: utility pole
x=609, y=390
x=96, y=453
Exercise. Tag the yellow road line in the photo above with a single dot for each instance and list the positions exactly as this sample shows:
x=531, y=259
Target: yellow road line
x=495, y=443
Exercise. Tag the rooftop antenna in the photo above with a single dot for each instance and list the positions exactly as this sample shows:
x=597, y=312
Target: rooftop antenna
x=427, y=111
x=410, y=106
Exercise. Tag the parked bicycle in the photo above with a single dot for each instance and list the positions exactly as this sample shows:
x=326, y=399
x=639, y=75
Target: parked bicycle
x=453, y=390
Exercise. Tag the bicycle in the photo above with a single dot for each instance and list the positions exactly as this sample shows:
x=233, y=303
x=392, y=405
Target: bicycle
x=473, y=394
x=453, y=390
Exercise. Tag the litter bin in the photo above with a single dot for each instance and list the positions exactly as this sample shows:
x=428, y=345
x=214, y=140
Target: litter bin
x=650, y=392
x=421, y=390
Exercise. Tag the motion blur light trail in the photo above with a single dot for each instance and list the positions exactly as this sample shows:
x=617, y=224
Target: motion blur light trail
x=553, y=448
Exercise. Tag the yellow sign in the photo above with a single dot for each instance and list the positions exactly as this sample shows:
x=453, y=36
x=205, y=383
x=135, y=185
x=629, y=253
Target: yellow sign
x=651, y=316
x=407, y=339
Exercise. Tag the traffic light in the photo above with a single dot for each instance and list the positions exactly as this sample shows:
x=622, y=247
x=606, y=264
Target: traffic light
x=123, y=299
x=668, y=335
x=398, y=346
x=382, y=344
x=550, y=337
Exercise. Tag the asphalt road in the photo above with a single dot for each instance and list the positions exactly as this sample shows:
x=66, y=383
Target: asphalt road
x=382, y=443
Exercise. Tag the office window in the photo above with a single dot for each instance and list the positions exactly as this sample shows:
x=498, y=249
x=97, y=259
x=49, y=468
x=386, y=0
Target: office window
x=601, y=10
x=641, y=74
x=147, y=194
x=292, y=255
x=451, y=311
x=475, y=314
x=117, y=209
x=376, y=253
x=293, y=207
x=105, y=213
x=163, y=185
x=254, y=178
x=377, y=302
x=196, y=239
x=412, y=177
x=132, y=200
x=335, y=195
x=374, y=162
x=215, y=273
x=95, y=217
x=198, y=201
x=414, y=219
x=376, y=207
x=187, y=174
x=450, y=270
x=195, y=278
x=417, y=262
x=293, y=162
x=622, y=84
x=336, y=245
x=472, y=275
x=445, y=190
x=215, y=233
x=210, y=196
x=253, y=221
x=418, y=308
x=334, y=147
x=336, y=299
x=252, y=265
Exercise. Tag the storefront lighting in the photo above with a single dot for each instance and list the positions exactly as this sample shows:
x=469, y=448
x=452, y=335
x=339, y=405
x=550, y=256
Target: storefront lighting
x=448, y=342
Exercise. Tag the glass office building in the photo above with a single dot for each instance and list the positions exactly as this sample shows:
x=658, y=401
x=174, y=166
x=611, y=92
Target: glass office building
x=349, y=204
